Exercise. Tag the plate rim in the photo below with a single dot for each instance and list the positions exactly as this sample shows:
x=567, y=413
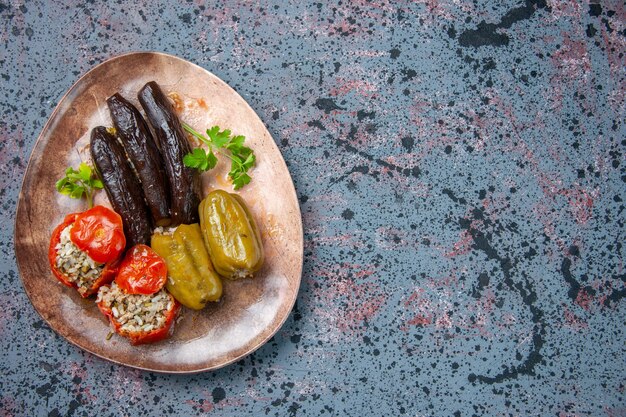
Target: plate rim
x=20, y=206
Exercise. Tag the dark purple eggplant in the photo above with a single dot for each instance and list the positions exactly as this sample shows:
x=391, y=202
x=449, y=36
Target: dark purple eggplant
x=133, y=132
x=121, y=186
x=183, y=181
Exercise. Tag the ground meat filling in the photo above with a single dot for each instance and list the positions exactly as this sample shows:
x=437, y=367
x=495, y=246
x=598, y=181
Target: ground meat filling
x=75, y=264
x=136, y=312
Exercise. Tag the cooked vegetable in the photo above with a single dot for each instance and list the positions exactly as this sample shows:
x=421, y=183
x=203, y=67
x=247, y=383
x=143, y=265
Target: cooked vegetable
x=231, y=235
x=141, y=318
x=184, y=183
x=99, y=232
x=121, y=186
x=142, y=151
x=191, y=277
x=242, y=158
x=72, y=266
x=142, y=271
x=77, y=183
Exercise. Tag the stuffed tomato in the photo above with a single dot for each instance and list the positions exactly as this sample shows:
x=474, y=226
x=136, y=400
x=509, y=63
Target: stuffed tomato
x=85, y=248
x=138, y=317
x=137, y=304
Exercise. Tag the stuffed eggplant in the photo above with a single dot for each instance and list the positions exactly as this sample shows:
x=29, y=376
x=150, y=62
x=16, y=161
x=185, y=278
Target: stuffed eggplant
x=121, y=186
x=184, y=183
x=142, y=151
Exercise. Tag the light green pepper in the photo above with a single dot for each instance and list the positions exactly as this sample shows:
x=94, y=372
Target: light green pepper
x=191, y=277
x=231, y=235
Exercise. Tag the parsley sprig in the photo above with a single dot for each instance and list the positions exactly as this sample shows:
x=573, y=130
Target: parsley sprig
x=223, y=142
x=77, y=183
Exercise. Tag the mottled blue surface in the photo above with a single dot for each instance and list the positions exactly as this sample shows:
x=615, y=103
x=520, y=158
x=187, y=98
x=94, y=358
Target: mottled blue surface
x=460, y=168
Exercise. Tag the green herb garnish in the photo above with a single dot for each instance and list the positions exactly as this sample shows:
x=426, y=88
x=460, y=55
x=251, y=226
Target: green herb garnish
x=77, y=183
x=242, y=158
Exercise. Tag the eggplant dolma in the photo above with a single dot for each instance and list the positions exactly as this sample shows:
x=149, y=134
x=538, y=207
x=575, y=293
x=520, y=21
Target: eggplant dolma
x=183, y=181
x=121, y=186
x=142, y=151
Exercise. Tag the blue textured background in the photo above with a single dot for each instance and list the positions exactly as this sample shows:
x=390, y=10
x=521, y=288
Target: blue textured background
x=460, y=168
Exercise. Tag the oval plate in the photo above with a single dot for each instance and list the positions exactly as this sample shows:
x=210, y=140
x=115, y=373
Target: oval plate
x=252, y=310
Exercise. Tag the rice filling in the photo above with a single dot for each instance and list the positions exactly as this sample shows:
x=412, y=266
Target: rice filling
x=75, y=264
x=136, y=312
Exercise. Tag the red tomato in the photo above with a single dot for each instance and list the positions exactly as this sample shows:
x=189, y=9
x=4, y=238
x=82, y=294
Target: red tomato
x=142, y=271
x=140, y=337
x=52, y=249
x=99, y=233
x=108, y=273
